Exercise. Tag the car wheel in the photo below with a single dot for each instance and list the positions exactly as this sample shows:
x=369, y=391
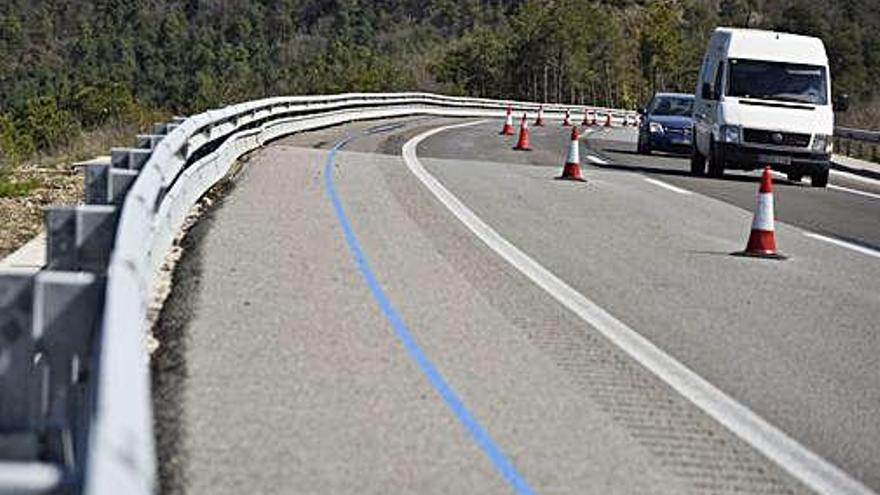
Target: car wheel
x=819, y=178
x=698, y=162
x=716, y=163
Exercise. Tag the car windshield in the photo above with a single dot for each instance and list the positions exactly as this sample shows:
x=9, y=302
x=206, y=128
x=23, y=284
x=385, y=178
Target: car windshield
x=672, y=106
x=778, y=81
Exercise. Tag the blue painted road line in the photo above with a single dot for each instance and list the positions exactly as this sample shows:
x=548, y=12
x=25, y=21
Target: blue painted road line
x=479, y=435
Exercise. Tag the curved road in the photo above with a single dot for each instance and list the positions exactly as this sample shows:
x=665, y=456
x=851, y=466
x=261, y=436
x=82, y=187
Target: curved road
x=281, y=370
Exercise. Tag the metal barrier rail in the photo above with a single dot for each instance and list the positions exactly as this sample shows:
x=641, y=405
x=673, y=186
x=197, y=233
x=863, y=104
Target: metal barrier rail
x=75, y=405
x=867, y=143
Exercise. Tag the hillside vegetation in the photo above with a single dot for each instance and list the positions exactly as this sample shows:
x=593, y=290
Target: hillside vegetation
x=71, y=66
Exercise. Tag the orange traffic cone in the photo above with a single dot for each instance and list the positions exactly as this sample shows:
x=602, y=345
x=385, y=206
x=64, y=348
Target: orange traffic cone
x=586, y=120
x=762, y=240
x=572, y=168
x=507, y=130
x=522, y=144
x=567, y=121
x=539, y=121
x=608, y=119
x=593, y=122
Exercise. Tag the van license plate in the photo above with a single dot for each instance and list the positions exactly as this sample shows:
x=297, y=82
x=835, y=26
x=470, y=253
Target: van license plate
x=775, y=159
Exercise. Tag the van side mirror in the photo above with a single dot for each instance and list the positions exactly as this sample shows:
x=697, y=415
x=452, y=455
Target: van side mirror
x=708, y=92
x=643, y=111
x=841, y=103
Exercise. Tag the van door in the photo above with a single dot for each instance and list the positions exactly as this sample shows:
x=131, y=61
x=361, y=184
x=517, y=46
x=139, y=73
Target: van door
x=706, y=107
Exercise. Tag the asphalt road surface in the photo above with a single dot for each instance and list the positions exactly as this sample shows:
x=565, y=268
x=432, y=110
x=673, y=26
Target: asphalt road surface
x=351, y=335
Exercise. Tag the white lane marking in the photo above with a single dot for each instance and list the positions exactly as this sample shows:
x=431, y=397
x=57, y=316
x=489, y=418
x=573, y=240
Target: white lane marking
x=667, y=186
x=853, y=191
x=857, y=178
x=800, y=462
x=596, y=159
x=835, y=187
x=844, y=244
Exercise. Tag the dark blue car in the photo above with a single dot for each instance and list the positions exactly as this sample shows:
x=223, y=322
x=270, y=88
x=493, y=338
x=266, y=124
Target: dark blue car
x=667, y=124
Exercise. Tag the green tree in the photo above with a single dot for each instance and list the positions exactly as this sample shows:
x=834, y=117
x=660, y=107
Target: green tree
x=736, y=13
x=661, y=44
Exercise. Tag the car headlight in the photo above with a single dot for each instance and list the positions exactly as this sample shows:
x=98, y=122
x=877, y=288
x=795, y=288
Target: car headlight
x=730, y=134
x=657, y=128
x=822, y=143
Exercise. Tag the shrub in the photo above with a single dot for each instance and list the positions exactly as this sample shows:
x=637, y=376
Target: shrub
x=48, y=125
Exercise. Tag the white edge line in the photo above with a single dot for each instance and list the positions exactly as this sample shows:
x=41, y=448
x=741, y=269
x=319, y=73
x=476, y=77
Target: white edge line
x=843, y=244
x=852, y=176
x=667, y=186
x=854, y=191
x=836, y=187
x=596, y=159
x=800, y=462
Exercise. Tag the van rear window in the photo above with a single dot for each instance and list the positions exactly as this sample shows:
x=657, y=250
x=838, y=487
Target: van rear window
x=778, y=81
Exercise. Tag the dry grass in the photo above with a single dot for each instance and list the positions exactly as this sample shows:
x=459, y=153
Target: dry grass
x=862, y=116
x=50, y=179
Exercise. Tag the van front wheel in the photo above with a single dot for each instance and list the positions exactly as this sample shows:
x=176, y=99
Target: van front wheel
x=819, y=178
x=716, y=163
x=698, y=162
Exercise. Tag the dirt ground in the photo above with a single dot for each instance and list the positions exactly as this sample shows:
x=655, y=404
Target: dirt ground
x=21, y=217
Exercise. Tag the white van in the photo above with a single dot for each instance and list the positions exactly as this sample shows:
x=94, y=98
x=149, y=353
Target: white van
x=764, y=98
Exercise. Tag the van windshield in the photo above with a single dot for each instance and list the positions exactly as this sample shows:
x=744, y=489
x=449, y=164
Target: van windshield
x=778, y=81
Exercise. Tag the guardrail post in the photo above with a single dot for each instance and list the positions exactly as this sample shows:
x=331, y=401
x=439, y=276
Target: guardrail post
x=80, y=237
x=96, y=177
x=120, y=182
x=18, y=383
x=130, y=158
x=107, y=185
x=148, y=141
x=164, y=128
x=66, y=309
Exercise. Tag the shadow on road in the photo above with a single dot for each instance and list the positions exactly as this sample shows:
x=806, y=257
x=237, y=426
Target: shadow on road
x=662, y=154
x=643, y=169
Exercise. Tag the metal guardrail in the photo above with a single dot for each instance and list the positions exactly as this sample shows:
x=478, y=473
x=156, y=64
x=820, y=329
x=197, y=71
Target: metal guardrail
x=857, y=143
x=75, y=406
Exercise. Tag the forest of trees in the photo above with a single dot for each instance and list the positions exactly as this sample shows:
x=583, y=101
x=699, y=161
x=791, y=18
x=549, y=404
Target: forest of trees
x=70, y=65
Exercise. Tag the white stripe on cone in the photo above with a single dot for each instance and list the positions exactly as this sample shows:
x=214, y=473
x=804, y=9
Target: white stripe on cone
x=763, y=219
x=574, y=154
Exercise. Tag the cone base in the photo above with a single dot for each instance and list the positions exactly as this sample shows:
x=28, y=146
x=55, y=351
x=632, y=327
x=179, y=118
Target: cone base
x=573, y=179
x=571, y=171
x=767, y=256
x=522, y=148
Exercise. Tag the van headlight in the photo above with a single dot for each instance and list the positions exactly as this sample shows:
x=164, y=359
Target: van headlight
x=657, y=128
x=822, y=143
x=730, y=134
